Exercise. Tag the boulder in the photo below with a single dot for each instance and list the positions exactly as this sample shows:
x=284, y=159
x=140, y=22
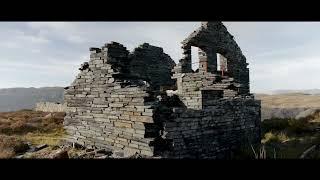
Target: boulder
x=77, y=146
x=21, y=148
x=60, y=154
x=48, y=116
x=41, y=146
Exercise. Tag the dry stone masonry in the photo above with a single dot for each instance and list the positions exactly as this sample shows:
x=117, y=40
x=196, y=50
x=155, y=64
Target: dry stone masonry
x=141, y=102
x=50, y=107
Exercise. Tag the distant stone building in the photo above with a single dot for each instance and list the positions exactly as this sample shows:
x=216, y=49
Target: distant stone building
x=50, y=107
x=142, y=102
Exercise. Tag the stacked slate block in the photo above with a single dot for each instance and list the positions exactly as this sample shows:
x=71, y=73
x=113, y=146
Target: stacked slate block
x=212, y=132
x=151, y=64
x=106, y=107
x=215, y=114
x=191, y=85
x=212, y=38
x=118, y=101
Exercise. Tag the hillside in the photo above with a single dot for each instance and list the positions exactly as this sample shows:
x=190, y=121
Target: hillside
x=31, y=134
x=307, y=91
x=287, y=105
x=13, y=99
x=290, y=91
x=21, y=129
x=291, y=100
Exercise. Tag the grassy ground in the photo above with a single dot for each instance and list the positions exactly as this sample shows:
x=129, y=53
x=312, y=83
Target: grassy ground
x=285, y=139
x=17, y=128
x=281, y=138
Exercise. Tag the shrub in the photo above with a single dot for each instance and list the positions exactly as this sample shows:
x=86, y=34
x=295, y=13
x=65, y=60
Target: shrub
x=299, y=126
x=292, y=126
x=30, y=126
x=255, y=152
x=22, y=122
x=243, y=152
x=271, y=137
x=26, y=110
x=274, y=124
x=9, y=146
x=5, y=154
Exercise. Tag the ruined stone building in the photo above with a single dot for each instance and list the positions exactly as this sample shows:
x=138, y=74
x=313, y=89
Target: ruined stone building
x=142, y=102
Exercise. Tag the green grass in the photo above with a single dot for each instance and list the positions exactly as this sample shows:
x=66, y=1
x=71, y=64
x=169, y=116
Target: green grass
x=290, y=126
x=285, y=139
x=289, y=138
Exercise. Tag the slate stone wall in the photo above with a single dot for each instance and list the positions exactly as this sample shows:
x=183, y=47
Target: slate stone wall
x=212, y=132
x=118, y=101
x=212, y=38
x=50, y=107
x=108, y=107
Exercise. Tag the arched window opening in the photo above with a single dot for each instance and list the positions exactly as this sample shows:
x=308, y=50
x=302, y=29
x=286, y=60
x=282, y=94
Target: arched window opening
x=194, y=58
x=222, y=64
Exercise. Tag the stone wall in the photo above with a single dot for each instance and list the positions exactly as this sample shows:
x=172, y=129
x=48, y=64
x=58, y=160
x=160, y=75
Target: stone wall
x=151, y=64
x=108, y=107
x=118, y=101
x=191, y=85
x=50, y=107
x=212, y=132
x=212, y=38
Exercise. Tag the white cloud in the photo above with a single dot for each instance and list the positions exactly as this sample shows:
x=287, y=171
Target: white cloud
x=16, y=39
x=33, y=38
x=65, y=30
x=164, y=34
x=295, y=73
x=35, y=51
x=53, y=25
x=9, y=44
x=281, y=55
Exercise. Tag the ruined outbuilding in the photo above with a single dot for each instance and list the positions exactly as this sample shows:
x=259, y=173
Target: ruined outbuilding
x=142, y=102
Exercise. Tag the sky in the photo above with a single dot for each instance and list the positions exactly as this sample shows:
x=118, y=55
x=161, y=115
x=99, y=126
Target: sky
x=281, y=55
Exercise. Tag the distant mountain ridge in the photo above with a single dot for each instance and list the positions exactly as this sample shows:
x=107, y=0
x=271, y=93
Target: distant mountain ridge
x=307, y=91
x=285, y=91
x=13, y=99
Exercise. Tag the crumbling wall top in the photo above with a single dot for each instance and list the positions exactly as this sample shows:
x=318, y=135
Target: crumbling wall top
x=207, y=33
x=215, y=42
x=150, y=63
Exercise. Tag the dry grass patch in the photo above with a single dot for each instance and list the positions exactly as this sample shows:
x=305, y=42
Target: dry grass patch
x=285, y=139
x=10, y=146
x=29, y=126
x=289, y=138
x=275, y=137
x=52, y=139
x=23, y=122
